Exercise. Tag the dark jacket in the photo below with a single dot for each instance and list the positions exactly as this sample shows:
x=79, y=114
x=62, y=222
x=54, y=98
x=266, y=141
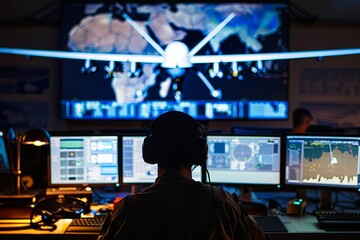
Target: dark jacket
x=179, y=208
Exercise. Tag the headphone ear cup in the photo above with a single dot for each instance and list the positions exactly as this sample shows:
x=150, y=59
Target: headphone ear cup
x=52, y=209
x=47, y=218
x=200, y=152
x=148, y=150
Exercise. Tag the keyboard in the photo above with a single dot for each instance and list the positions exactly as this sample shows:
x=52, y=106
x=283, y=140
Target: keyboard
x=338, y=220
x=86, y=224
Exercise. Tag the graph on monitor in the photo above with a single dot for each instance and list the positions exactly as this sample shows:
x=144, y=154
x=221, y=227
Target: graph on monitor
x=322, y=161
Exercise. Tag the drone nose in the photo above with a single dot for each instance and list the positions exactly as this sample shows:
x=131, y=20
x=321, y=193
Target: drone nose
x=176, y=56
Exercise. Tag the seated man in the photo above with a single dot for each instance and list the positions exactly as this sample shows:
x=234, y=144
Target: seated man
x=176, y=206
x=301, y=119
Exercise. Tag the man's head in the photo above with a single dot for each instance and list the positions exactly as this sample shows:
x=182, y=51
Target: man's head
x=175, y=139
x=302, y=117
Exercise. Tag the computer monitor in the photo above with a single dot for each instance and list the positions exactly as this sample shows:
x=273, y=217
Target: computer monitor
x=4, y=155
x=134, y=169
x=83, y=160
x=7, y=184
x=142, y=88
x=322, y=161
x=244, y=160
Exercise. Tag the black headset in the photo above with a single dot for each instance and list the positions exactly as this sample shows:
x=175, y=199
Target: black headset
x=198, y=152
x=49, y=210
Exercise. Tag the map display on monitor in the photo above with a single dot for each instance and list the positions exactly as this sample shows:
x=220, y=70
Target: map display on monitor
x=145, y=88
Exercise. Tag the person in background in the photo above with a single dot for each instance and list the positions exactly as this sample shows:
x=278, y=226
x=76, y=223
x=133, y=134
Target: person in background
x=301, y=119
x=176, y=206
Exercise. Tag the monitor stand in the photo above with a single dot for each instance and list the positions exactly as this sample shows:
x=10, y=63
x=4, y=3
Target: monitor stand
x=251, y=203
x=247, y=195
x=301, y=193
x=325, y=200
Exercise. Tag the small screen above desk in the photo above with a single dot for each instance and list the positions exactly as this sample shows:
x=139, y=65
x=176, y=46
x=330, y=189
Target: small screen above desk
x=79, y=160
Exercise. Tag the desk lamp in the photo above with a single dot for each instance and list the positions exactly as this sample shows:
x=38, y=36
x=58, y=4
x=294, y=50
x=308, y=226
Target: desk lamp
x=36, y=137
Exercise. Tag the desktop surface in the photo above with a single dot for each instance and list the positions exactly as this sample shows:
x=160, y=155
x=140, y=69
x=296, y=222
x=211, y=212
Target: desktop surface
x=297, y=227
x=303, y=227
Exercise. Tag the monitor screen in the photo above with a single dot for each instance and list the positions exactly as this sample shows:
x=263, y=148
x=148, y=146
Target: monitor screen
x=245, y=160
x=143, y=87
x=4, y=155
x=83, y=160
x=134, y=169
x=322, y=161
x=7, y=184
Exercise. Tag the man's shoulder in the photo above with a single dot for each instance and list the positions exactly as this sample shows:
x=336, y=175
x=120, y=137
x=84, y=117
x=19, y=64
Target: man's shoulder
x=219, y=192
x=179, y=191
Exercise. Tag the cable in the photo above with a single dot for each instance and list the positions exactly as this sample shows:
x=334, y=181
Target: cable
x=348, y=196
x=220, y=232
x=194, y=167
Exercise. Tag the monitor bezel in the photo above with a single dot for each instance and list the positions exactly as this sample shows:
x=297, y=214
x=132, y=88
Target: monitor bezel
x=9, y=154
x=121, y=159
x=85, y=133
x=296, y=185
x=7, y=178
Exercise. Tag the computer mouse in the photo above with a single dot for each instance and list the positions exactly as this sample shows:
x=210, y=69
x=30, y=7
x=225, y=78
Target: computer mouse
x=296, y=207
x=104, y=210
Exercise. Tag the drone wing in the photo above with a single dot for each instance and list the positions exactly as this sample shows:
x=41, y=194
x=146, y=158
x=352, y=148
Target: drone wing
x=84, y=56
x=193, y=60
x=272, y=56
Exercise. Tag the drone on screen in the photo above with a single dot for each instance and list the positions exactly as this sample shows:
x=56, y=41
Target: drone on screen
x=176, y=58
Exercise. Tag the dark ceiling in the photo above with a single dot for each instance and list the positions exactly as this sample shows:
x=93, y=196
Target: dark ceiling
x=306, y=11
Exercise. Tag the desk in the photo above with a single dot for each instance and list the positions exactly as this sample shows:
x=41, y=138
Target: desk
x=304, y=227
x=20, y=229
